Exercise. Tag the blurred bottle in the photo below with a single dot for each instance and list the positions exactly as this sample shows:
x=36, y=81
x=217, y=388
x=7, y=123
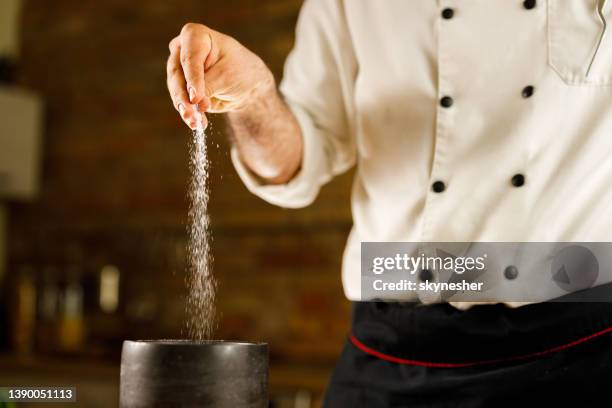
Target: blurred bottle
x=48, y=310
x=108, y=296
x=24, y=312
x=71, y=328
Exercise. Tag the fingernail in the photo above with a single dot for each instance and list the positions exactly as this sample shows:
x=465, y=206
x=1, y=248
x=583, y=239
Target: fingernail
x=181, y=109
x=192, y=94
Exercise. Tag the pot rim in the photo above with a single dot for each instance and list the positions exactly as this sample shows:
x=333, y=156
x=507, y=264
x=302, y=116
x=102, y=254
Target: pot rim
x=186, y=342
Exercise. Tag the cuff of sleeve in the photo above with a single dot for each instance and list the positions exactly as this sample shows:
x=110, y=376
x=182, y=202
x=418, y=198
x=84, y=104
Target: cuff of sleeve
x=302, y=189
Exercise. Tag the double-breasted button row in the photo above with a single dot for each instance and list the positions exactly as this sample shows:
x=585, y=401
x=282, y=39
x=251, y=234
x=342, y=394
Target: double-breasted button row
x=446, y=102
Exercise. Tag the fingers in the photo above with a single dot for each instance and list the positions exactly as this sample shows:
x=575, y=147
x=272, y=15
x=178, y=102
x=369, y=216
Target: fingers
x=195, y=46
x=174, y=77
x=190, y=54
x=176, y=84
x=178, y=89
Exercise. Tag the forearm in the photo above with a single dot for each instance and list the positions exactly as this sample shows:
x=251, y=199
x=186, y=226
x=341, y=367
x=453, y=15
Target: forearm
x=268, y=137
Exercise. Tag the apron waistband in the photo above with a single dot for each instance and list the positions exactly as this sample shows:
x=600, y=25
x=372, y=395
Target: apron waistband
x=440, y=335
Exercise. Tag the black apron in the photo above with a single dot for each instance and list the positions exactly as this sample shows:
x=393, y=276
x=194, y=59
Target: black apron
x=412, y=355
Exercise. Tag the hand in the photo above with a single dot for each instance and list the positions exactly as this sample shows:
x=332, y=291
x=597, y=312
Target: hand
x=211, y=72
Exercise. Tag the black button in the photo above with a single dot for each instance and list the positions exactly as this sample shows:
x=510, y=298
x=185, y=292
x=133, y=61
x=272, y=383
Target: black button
x=446, y=101
x=425, y=275
x=511, y=272
x=529, y=4
x=528, y=91
x=518, y=180
x=448, y=13
x=438, y=186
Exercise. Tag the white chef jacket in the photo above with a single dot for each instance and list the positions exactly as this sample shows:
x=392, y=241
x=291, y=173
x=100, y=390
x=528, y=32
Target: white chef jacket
x=488, y=122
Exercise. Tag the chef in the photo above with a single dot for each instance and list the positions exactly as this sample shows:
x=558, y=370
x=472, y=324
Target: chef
x=466, y=121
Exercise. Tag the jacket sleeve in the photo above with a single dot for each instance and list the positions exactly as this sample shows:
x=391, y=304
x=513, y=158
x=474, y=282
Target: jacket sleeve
x=318, y=87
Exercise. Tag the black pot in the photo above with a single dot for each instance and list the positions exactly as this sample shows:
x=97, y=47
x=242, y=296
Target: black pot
x=183, y=373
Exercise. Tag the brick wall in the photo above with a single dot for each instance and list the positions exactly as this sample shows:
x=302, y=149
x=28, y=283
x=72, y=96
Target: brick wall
x=115, y=176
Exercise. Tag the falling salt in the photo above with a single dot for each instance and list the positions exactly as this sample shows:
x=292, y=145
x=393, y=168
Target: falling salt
x=201, y=285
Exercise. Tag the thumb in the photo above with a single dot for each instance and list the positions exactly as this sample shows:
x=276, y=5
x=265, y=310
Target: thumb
x=224, y=89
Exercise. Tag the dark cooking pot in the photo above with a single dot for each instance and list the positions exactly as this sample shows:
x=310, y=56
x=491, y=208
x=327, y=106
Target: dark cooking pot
x=183, y=373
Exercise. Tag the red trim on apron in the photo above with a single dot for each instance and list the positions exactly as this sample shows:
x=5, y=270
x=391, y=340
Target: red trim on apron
x=421, y=363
